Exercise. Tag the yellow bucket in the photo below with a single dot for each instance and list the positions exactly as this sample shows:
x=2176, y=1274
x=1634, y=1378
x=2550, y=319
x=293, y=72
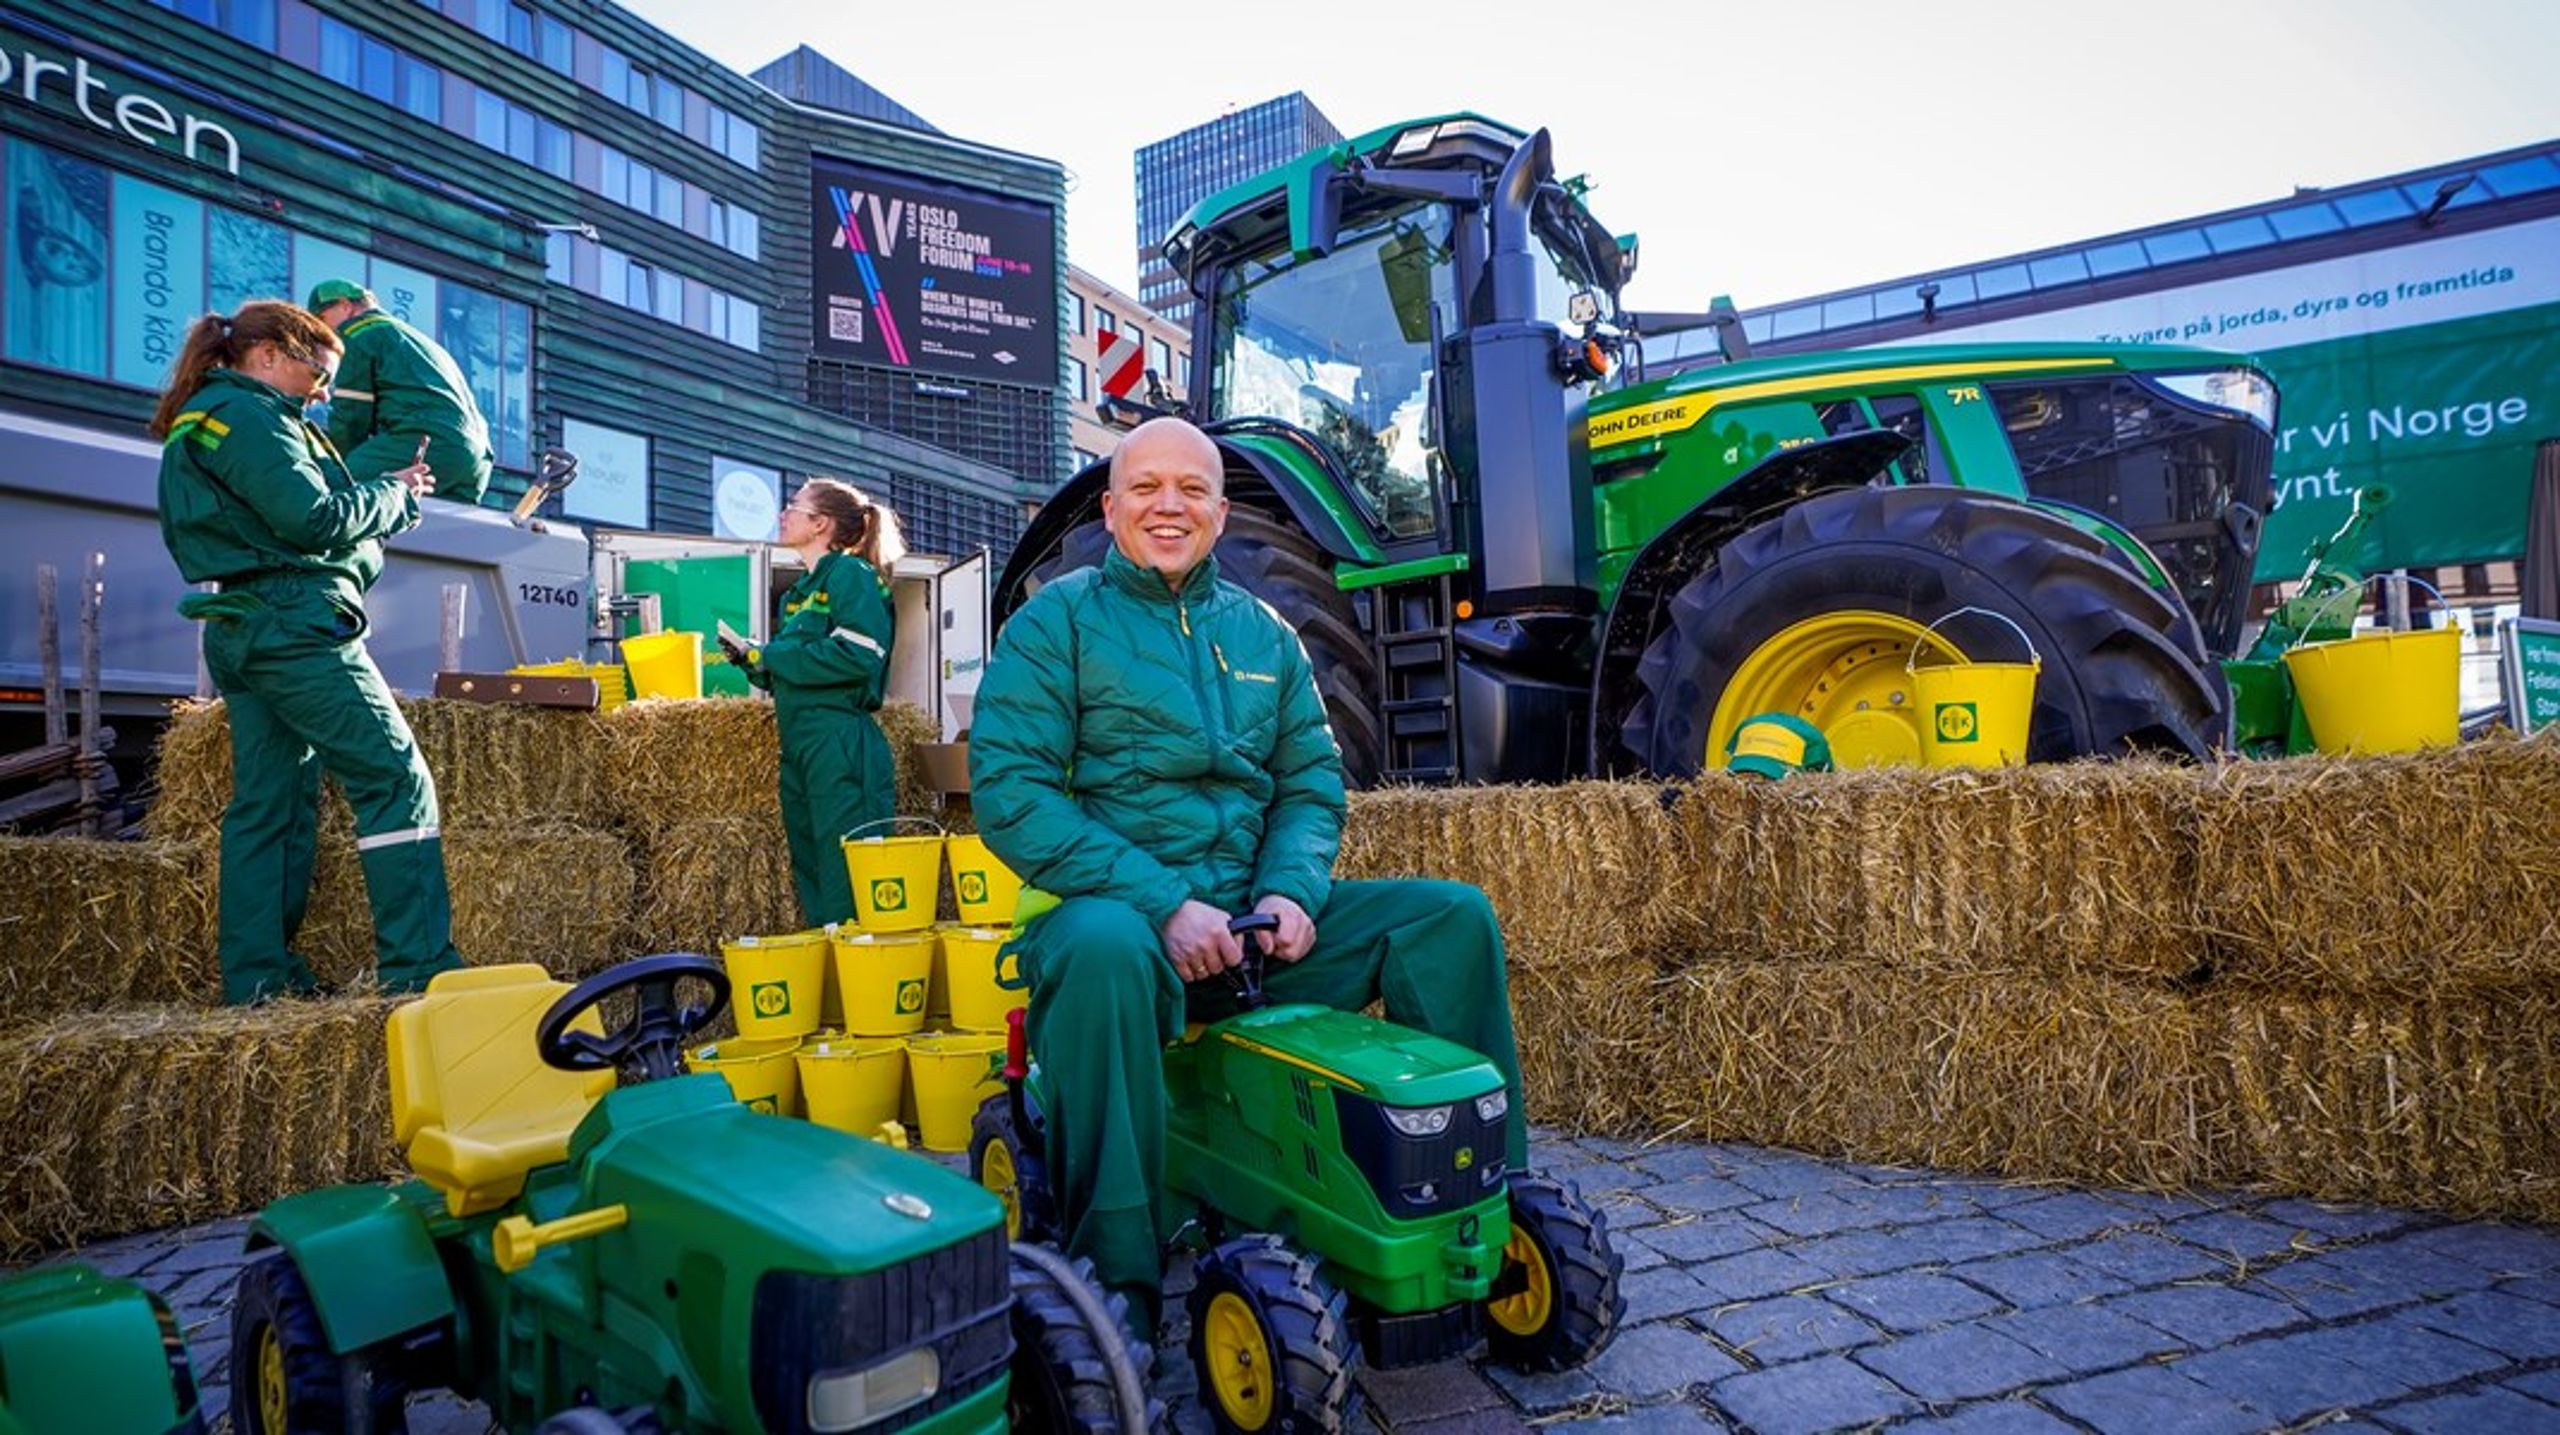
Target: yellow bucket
x=897, y=881
x=1974, y=714
x=985, y=888
x=2382, y=692
x=883, y=980
x=664, y=665
x=852, y=1083
x=951, y=1075
x=777, y=985
x=985, y=980
x=761, y=1073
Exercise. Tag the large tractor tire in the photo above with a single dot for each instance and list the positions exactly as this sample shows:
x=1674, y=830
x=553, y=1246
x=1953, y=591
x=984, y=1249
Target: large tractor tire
x=1076, y=1363
x=286, y=1380
x=1816, y=613
x=1272, y=1342
x=1274, y=561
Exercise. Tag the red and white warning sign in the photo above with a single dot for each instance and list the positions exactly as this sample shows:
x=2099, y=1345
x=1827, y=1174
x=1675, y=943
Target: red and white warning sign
x=1116, y=358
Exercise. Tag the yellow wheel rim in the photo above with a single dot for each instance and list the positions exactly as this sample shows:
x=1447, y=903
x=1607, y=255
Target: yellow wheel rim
x=996, y=1173
x=1526, y=1311
x=1240, y=1363
x=271, y=1397
x=1844, y=673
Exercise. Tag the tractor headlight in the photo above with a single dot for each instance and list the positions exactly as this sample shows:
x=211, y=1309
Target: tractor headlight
x=1493, y=1106
x=853, y=1399
x=1418, y=1120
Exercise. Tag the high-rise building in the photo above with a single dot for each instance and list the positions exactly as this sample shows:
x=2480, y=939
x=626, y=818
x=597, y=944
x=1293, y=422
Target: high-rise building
x=1179, y=171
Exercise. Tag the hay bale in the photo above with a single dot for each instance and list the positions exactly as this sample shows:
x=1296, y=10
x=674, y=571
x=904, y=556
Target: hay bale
x=85, y=925
x=2443, y=1102
x=2430, y=872
x=711, y=879
x=2067, y=870
x=495, y=765
x=682, y=761
x=2060, y=1079
x=1584, y=872
x=163, y=1115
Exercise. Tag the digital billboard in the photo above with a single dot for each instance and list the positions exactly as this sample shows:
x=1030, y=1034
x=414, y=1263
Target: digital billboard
x=916, y=274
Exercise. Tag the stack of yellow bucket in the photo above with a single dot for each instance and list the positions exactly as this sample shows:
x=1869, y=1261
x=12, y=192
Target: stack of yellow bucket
x=613, y=684
x=890, y=1020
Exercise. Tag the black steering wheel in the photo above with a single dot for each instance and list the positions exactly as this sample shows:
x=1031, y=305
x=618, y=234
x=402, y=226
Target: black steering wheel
x=1246, y=980
x=651, y=1045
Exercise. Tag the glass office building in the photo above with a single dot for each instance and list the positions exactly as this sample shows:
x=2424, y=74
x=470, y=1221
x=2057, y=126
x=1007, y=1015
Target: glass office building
x=1177, y=172
x=613, y=235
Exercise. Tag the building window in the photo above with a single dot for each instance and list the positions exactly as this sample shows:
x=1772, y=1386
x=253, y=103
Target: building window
x=555, y=43
x=1163, y=353
x=1079, y=381
x=1075, y=312
x=1104, y=321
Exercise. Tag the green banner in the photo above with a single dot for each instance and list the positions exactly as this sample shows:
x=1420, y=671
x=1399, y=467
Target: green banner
x=2533, y=674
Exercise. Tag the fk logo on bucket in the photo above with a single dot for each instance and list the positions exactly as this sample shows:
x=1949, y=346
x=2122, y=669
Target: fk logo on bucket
x=973, y=886
x=910, y=998
x=889, y=894
x=770, y=998
x=1957, y=722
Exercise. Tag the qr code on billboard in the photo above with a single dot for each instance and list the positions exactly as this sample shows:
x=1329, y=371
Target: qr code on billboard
x=844, y=324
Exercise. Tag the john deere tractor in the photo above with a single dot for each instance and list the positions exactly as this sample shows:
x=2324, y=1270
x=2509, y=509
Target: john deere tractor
x=654, y=1256
x=1350, y=1201
x=94, y=1353
x=1512, y=558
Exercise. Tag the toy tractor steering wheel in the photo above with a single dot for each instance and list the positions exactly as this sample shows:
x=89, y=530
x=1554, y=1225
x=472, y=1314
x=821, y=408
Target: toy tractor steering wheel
x=1246, y=980
x=651, y=1045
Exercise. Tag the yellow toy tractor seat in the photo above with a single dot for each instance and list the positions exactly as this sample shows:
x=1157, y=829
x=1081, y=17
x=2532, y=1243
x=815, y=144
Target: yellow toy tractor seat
x=472, y=1102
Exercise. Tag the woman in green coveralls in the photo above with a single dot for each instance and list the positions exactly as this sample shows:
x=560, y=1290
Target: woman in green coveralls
x=827, y=668
x=255, y=500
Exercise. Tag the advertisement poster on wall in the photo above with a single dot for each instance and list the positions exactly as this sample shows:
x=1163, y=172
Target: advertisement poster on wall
x=56, y=283
x=613, y=475
x=914, y=274
x=746, y=500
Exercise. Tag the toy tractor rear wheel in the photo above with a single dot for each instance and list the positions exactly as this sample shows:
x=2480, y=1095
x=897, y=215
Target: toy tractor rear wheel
x=1061, y=1378
x=1815, y=612
x=286, y=1380
x=1272, y=1341
x=1008, y=1161
x=1555, y=1302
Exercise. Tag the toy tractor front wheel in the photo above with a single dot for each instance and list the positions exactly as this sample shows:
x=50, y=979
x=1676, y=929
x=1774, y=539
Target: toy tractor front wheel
x=1006, y=1159
x=1272, y=1341
x=1555, y=1302
x=286, y=1380
x=1070, y=1341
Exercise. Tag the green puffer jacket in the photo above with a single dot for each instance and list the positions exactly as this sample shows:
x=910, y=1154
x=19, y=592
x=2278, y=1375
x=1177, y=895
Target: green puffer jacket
x=1136, y=744
x=394, y=380
x=249, y=489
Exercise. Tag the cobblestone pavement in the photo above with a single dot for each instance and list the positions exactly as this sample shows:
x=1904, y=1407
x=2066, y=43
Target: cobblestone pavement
x=1773, y=1292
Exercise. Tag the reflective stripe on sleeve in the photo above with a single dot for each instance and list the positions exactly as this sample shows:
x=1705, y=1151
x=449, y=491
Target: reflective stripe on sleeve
x=860, y=640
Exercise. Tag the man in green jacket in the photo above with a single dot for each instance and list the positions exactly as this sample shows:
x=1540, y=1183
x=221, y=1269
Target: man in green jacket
x=396, y=387
x=1150, y=748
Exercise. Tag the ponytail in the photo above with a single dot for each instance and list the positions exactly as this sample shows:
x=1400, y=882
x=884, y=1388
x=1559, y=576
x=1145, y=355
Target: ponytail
x=864, y=528
x=216, y=342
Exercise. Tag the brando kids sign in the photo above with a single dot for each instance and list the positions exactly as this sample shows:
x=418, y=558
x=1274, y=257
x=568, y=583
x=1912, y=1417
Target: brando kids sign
x=917, y=275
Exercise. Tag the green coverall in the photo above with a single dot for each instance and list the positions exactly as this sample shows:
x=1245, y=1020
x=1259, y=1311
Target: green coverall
x=827, y=667
x=396, y=386
x=253, y=497
x=1133, y=749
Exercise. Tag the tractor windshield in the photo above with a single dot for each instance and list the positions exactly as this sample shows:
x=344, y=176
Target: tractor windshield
x=1340, y=345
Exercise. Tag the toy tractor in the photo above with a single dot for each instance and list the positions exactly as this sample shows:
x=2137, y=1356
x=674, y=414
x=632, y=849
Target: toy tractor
x=84, y=1351
x=651, y=1255
x=1352, y=1202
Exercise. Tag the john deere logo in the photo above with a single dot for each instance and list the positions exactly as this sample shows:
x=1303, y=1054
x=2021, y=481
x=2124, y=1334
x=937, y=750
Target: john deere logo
x=973, y=886
x=770, y=998
x=1957, y=723
x=1466, y=1157
x=889, y=894
x=910, y=997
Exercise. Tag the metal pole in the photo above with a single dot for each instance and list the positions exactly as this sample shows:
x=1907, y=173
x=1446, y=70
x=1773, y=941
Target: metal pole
x=651, y=613
x=2395, y=598
x=449, y=643
x=93, y=595
x=49, y=650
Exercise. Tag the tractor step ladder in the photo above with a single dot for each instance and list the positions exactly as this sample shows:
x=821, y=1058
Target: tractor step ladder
x=1418, y=677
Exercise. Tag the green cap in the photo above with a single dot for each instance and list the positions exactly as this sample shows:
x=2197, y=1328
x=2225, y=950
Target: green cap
x=330, y=291
x=1776, y=744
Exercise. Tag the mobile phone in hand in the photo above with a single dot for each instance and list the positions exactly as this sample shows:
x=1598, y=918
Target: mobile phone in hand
x=421, y=455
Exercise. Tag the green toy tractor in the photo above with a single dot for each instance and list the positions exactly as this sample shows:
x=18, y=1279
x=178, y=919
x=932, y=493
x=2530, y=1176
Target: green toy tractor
x=584, y=1256
x=1351, y=1195
x=88, y=1352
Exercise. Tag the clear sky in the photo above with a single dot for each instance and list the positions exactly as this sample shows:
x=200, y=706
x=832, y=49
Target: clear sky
x=1764, y=150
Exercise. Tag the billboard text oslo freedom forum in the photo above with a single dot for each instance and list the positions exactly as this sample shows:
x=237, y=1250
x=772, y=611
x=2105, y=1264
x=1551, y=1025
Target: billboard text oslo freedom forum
x=932, y=277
